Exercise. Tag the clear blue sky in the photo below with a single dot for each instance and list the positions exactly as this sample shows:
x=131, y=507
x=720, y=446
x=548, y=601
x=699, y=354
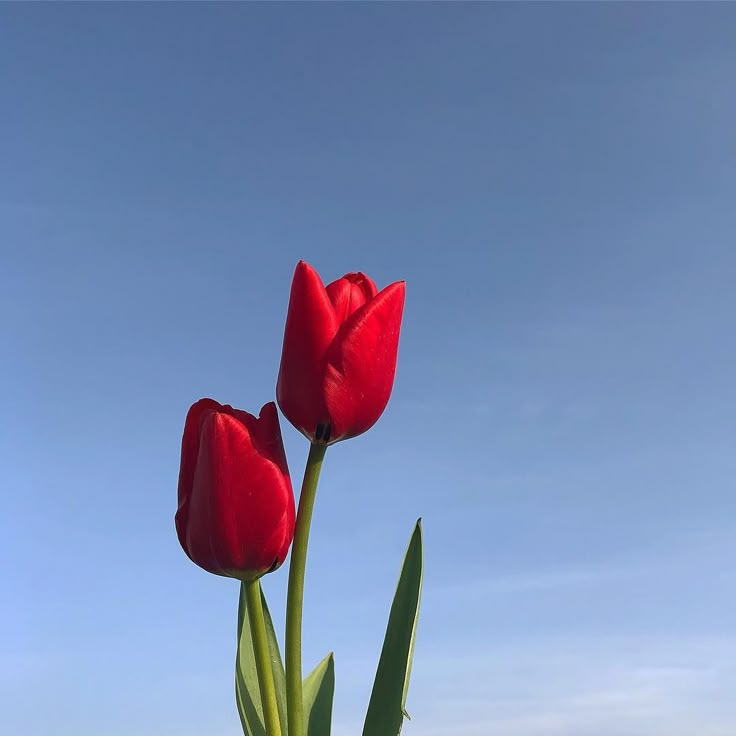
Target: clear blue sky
x=556, y=183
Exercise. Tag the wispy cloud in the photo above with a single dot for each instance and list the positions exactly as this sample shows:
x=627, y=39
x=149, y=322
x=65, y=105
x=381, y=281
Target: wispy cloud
x=582, y=687
x=534, y=581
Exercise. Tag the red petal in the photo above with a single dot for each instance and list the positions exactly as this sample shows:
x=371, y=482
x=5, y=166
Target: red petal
x=361, y=364
x=350, y=293
x=267, y=432
x=189, y=452
x=310, y=328
x=241, y=504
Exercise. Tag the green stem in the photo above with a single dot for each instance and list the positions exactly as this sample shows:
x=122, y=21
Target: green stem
x=295, y=597
x=263, y=657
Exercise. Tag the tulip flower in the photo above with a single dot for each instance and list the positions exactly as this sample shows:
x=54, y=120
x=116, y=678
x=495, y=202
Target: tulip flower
x=339, y=355
x=236, y=505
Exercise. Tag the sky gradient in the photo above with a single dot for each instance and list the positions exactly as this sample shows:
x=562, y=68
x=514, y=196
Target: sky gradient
x=555, y=183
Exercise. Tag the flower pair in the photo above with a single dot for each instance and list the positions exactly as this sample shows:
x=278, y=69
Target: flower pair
x=236, y=504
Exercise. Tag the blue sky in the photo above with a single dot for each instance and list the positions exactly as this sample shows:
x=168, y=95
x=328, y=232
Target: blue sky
x=556, y=185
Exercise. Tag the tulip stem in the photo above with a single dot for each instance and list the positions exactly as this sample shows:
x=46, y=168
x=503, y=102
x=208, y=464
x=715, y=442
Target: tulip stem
x=295, y=596
x=263, y=657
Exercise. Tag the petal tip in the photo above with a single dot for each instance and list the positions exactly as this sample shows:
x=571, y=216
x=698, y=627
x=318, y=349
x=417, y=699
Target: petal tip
x=268, y=410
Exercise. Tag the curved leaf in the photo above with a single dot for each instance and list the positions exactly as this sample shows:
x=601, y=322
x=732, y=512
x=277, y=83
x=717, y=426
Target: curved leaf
x=387, y=706
x=319, y=688
x=247, y=692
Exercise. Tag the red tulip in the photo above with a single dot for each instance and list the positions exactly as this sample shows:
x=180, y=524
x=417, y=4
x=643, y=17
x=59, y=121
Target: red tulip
x=236, y=504
x=339, y=356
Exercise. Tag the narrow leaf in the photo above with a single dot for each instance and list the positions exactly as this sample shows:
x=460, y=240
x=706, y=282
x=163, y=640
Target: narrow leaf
x=318, y=689
x=387, y=706
x=247, y=692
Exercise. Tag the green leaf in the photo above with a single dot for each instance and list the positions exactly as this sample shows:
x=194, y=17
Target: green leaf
x=318, y=689
x=247, y=692
x=387, y=706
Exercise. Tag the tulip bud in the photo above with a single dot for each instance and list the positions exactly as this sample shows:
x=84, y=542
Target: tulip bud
x=339, y=355
x=236, y=504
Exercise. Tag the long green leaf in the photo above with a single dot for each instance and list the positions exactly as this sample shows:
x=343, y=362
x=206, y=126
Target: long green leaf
x=319, y=688
x=247, y=692
x=387, y=706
